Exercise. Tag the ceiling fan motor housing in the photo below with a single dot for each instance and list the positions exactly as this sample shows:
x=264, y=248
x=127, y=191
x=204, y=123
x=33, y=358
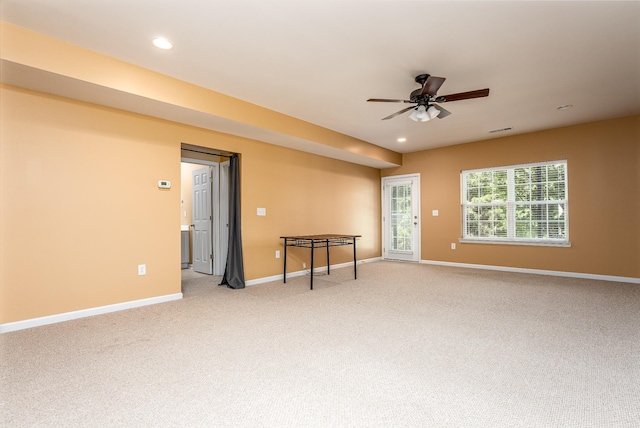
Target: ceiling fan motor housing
x=415, y=95
x=422, y=78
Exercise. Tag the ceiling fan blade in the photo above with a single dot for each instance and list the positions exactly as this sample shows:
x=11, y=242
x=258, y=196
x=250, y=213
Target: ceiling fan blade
x=443, y=111
x=384, y=100
x=463, y=96
x=432, y=85
x=404, y=110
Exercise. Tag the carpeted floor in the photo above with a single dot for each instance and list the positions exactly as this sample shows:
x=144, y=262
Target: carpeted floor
x=405, y=345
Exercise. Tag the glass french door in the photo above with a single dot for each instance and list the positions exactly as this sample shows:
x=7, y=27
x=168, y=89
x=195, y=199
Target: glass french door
x=401, y=217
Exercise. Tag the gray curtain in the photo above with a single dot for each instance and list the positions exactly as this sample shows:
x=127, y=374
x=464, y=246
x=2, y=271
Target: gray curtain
x=234, y=269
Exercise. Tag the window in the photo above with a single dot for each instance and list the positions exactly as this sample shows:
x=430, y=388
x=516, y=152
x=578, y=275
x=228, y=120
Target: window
x=524, y=204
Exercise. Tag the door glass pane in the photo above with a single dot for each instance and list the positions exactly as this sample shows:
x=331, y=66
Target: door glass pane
x=401, y=230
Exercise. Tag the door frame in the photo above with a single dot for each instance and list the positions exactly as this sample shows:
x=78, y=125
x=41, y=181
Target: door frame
x=216, y=243
x=415, y=204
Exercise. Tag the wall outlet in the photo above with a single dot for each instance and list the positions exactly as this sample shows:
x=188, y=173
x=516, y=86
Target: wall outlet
x=435, y=213
x=304, y=265
x=453, y=245
x=261, y=211
x=277, y=254
x=142, y=269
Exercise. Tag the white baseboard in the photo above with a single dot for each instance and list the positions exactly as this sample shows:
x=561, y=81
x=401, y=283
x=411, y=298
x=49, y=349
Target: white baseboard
x=536, y=271
x=83, y=313
x=304, y=272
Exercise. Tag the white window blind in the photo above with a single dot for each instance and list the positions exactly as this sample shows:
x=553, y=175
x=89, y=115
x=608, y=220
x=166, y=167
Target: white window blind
x=516, y=204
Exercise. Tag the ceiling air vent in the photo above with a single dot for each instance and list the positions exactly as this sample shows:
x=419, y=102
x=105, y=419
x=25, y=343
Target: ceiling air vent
x=501, y=130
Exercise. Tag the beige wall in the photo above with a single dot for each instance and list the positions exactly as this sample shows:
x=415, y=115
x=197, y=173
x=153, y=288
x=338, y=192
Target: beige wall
x=81, y=207
x=604, y=197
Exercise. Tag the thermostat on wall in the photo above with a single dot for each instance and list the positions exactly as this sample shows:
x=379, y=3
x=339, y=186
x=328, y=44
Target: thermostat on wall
x=164, y=184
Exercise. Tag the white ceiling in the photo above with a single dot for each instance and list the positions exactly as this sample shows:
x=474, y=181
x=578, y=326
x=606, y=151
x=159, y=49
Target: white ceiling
x=320, y=61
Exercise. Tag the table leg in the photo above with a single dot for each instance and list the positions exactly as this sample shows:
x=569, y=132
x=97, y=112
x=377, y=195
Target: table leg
x=355, y=268
x=285, y=261
x=328, y=262
x=312, y=248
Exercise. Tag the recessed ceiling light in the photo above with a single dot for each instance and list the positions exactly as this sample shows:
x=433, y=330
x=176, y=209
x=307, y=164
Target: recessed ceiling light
x=401, y=140
x=565, y=107
x=162, y=43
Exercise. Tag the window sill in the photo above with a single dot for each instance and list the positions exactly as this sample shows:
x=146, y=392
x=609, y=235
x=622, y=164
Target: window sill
x=535, y=243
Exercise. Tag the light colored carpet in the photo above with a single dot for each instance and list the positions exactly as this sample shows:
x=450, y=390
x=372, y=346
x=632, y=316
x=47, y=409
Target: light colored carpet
x=405, y=345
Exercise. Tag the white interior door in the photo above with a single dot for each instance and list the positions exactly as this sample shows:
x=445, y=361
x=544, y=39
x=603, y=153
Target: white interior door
x=401, y=217
x=202, y=221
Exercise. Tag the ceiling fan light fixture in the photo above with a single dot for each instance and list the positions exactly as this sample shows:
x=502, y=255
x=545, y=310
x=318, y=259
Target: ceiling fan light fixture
x=422, y=114
x=432, y=112
x=419, y=114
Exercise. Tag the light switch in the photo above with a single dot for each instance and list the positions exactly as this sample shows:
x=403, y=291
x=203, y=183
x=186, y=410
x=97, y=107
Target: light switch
x=262, y=211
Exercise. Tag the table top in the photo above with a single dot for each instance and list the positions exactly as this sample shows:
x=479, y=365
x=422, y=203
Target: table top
x=320, y=237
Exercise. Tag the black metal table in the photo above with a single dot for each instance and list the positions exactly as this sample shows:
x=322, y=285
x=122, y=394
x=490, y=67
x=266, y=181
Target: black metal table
x=320, y=241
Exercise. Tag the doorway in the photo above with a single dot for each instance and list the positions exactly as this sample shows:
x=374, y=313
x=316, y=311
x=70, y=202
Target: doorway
x=205, y=211
x=401, y=217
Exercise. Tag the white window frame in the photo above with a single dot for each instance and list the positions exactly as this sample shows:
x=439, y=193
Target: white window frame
x=510, y=206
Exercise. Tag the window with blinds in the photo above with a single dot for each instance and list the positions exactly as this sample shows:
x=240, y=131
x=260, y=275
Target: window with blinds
x=524, y=204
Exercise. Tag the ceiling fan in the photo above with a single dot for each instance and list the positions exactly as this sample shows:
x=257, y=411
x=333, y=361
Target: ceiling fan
x=426, y=96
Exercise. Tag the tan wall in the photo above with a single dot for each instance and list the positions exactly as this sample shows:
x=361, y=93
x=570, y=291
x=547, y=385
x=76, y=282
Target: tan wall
x=604, y=204
x=81, y=207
